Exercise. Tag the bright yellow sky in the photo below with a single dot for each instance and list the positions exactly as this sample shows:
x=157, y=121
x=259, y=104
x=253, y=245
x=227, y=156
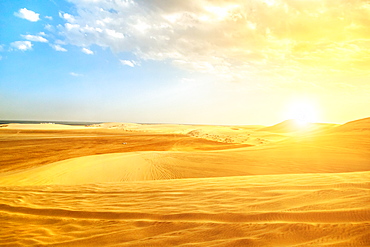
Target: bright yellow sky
x=283, y=56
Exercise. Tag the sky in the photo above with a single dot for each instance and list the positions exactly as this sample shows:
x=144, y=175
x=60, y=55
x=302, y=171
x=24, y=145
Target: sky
x=226, y=62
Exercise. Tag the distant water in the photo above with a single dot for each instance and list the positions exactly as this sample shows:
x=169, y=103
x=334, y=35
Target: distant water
x=55, y=122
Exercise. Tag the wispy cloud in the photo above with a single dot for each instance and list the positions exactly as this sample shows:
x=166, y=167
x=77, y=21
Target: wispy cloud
x=27, y=14
x=49, y=27
x=22, y=45
x=130, y=63
x=58, y=48
x=87, y=51
x=35, y=38
x=75, y=74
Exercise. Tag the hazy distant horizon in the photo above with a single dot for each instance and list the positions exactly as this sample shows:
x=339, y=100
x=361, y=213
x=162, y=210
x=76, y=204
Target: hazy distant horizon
x=76, y=122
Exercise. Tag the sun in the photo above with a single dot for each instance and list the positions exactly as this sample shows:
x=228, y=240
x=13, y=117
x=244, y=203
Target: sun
x=302, y=111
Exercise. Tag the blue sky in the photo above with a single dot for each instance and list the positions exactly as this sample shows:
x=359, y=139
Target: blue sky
x=207, y=62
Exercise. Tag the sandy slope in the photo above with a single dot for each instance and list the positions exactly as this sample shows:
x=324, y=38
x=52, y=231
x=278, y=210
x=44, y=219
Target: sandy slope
x=171, y=185
x=175, y=164
x=320, y=154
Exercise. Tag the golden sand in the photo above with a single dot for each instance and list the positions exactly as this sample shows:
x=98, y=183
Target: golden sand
x=183, y=185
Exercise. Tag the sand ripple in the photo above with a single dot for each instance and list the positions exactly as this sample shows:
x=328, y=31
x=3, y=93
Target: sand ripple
x=299, y=210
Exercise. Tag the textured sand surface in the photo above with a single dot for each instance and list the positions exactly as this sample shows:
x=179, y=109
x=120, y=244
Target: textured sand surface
x=182, y=185
x=275, y=210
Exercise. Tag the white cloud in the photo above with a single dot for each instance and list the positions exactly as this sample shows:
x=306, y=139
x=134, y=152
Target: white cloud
x=58, y=48
x=87, y=51
x=49, y=17
x=114, y=34
x=235, y=40
x=22, y=45
x=130, y=63
x=27, y=14
x=67, y=17
x=75, y=74
x=196, y=35
x=35, y=38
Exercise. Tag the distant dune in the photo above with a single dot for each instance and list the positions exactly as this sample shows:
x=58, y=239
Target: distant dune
x=117, y=184
x=289, y=126
x=45, y=126
x=357, y=125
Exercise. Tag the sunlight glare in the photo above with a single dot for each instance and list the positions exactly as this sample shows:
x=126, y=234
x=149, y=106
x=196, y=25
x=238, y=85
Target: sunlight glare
x=303, y=112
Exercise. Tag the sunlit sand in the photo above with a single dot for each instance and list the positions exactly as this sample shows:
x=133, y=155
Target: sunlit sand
x=117, y=184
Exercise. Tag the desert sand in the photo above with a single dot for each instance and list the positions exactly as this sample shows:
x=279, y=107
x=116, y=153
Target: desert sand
x=121, y=184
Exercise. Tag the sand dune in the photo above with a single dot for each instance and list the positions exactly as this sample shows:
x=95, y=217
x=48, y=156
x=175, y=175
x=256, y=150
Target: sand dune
x=291, y=126
x=135, y=166
x=46, y=126
x=357, y=125
x=185, y=185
